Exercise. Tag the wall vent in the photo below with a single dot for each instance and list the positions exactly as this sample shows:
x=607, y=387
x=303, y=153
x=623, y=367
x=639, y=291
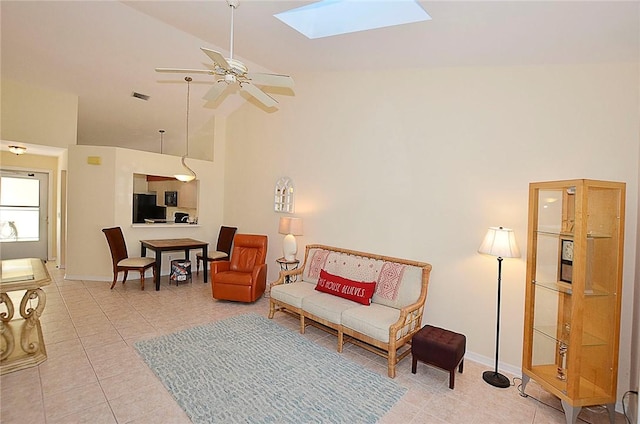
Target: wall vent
x=140, y=96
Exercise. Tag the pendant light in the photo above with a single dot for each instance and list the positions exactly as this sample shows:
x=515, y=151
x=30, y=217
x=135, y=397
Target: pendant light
x=161, y=139
x=189, y=175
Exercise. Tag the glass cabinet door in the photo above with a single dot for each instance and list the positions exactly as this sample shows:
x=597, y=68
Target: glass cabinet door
x=552, y=284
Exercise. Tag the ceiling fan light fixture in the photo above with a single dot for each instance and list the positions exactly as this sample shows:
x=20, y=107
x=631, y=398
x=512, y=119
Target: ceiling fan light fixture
x=233, y=71
x=237, y=67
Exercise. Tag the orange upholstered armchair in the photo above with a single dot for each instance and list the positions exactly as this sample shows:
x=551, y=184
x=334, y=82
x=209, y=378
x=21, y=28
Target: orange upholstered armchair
x=244, y=277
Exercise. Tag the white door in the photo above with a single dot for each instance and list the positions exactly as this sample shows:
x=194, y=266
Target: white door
x=23, y=214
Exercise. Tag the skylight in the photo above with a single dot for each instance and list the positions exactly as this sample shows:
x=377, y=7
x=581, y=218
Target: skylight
x=333, y=17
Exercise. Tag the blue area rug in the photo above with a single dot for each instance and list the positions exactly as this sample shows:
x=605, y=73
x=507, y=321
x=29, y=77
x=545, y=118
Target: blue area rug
x=248, y=369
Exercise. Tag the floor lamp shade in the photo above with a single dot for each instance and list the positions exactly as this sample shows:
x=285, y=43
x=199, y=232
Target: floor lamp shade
x=291, y=227
x=500, y=242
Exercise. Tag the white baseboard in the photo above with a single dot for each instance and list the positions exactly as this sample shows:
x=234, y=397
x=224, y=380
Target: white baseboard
x=511, y=369
x=491, y=363
x=147, y=277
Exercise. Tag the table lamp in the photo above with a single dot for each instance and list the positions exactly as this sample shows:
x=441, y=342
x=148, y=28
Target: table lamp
x=291, y=227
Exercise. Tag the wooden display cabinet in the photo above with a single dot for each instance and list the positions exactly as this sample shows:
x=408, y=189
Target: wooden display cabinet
x=573, y=289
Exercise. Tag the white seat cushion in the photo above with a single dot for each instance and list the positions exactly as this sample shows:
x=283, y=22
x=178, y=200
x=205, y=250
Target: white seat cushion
x=373, y=321
x=213, y=256
x=327, y=306
x=292, y=293
x=136, y=262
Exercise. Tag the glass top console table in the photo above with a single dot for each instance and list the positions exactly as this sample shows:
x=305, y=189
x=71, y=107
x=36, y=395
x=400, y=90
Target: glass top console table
x=22, y=344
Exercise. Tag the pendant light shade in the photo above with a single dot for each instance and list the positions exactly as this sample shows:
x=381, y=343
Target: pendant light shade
x=188, y=175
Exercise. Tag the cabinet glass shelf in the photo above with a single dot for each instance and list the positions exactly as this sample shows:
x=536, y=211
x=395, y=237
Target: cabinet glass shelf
x=590, y=235
x=566, y=288
x=586, y=389
x=551, y=331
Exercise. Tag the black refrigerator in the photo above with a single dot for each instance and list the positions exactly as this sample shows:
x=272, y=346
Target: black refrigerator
x=145, y=207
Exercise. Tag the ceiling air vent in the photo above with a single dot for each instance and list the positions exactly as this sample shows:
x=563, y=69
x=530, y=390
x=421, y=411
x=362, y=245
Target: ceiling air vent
x=139, y=96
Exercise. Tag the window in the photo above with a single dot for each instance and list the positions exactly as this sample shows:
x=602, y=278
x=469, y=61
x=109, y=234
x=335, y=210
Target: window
x=19, y=209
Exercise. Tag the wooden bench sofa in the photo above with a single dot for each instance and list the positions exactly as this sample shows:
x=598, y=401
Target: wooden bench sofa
x=384, y=327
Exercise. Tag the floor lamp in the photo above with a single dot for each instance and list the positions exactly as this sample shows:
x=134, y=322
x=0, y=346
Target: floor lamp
x=500, y=242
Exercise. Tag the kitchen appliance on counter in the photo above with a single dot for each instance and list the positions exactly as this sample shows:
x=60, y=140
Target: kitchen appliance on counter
x=181, y=217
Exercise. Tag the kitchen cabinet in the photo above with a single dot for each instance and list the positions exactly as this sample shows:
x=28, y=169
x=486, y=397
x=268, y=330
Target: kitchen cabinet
x=187, y=192
x=188, y=195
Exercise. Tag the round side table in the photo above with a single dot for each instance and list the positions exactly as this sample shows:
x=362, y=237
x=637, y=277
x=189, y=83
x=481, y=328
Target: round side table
x=286, y=265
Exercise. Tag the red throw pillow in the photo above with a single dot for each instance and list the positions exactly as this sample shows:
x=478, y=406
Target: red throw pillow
x=358, y=291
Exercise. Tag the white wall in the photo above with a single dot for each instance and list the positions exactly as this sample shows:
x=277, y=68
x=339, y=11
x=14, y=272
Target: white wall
x=101, y=196
x=37, y=115
x=417, y=164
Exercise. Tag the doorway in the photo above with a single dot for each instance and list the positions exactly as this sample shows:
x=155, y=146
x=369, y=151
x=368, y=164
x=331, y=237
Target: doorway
x=24, y=216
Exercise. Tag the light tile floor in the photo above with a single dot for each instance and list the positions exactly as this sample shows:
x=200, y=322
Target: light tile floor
x=94, y=375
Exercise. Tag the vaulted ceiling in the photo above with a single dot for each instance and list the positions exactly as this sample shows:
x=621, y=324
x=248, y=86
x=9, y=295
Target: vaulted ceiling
x=102, y=51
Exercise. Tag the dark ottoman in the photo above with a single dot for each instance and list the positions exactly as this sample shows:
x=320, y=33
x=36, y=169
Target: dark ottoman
x=439, y=347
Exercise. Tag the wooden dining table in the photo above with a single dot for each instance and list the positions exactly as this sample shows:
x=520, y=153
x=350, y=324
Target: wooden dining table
x=168, y=245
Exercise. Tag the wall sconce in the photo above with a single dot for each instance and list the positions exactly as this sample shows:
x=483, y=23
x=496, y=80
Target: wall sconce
x=291, y=227
x=17, y=150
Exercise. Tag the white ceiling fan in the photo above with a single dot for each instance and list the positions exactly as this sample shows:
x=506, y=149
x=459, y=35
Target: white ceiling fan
x=231, y=71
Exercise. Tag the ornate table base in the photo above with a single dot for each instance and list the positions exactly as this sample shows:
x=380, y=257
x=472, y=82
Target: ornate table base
x=21, y=341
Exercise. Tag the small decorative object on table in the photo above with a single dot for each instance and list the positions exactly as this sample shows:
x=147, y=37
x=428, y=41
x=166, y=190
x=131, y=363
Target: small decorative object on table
x=566, y=261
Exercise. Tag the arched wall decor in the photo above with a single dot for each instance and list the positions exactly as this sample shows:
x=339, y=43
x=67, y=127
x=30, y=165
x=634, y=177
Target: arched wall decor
x=283, y=195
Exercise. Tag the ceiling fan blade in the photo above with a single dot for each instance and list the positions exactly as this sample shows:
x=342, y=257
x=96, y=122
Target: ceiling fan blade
x=272, y=80
x=260, y=95
x=217, y=58
x=215, y=91
x=186, y=71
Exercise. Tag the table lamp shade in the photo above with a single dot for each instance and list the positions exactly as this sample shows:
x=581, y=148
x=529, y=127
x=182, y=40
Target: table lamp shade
x=500, y=242
x=291, y=227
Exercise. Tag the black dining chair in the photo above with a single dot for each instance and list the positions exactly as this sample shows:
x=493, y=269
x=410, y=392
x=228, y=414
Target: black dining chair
x=121, y=260
x=223, y=248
